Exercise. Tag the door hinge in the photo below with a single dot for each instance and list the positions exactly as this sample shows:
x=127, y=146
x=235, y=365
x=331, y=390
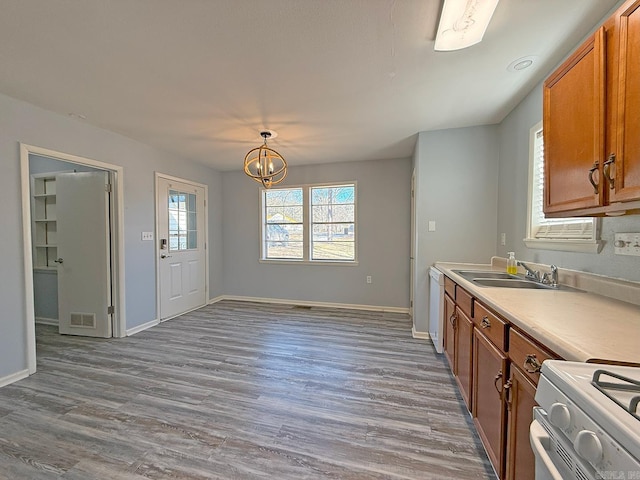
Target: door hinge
x=107, y=187
x=111, y=310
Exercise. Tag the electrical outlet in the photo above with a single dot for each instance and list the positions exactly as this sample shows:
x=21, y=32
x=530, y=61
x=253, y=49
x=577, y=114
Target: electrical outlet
x=147, y=236
x=503, y=239
x=627, y=244
x=369, y=280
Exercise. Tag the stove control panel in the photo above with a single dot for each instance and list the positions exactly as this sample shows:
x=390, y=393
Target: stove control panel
x=590, y=442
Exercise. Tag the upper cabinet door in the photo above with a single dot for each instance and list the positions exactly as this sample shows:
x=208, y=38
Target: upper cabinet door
x=574, y=129
x=624, y=168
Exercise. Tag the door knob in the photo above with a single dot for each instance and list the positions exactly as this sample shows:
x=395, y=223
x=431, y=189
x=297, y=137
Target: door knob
x=164, y=256
x=59, y=260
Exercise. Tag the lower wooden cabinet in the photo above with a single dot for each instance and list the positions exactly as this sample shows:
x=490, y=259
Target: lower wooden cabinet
x=464, y=347
x=489, y=410
x=496, y=367
x=519, y=393
x=450, y=322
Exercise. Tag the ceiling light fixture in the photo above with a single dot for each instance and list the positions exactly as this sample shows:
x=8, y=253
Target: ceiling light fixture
x=463, y=23
x=521, y=64
x=265, y=165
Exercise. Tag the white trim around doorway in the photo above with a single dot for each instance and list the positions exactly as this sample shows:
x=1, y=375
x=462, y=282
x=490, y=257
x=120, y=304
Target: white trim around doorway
x=120, y=323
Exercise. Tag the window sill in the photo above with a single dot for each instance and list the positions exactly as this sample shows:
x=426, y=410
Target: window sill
x=327, y=263
x=580, y=246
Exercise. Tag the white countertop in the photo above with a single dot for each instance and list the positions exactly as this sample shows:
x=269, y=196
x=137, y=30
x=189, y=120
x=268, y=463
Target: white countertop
x=577, y=325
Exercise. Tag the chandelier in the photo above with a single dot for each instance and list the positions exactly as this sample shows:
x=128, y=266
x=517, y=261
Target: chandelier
x=265, y=165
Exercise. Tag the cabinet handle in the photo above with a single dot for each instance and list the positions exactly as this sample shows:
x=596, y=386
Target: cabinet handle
x=453, y=318
x=485, y=323
x=495, y=382
x=591, y=170
x=507, y=393
x=607, y=170
x=531, y=364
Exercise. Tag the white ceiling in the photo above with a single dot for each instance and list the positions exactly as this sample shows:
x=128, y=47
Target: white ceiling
x=339, y=80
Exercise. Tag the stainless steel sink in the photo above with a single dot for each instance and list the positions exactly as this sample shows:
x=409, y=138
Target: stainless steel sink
x=511, y=283
x=473, y=274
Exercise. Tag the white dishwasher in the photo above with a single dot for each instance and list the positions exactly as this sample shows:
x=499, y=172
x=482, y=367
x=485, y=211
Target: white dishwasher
x=436, y=308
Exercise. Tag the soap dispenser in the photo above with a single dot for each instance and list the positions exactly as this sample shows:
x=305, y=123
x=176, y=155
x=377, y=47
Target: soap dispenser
x=512, y=266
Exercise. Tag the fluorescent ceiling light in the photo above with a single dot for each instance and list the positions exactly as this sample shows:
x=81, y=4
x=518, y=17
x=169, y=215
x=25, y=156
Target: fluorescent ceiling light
x=463, y=23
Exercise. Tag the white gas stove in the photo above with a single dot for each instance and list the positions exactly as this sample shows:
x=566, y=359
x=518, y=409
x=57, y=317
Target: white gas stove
x=588, y=424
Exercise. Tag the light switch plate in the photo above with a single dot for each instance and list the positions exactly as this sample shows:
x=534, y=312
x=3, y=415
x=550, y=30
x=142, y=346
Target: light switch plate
x=147, y=236
x=432, y=225
x=627, y=244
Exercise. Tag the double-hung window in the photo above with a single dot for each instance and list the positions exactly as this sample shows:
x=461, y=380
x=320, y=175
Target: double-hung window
x=313, y=223
x=569, y=234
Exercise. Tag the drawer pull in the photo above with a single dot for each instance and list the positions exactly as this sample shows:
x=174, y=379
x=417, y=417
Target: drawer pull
x=495, y=382
x=485, y=323
x=531, y=364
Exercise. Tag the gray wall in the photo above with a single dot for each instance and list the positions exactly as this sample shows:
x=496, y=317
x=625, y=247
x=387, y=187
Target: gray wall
x=512, y=205
x=383, y=203
x=22, y=122
x=456, y=186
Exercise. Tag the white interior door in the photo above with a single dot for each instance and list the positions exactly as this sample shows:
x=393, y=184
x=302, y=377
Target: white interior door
x=182, y=249
x=84, y=257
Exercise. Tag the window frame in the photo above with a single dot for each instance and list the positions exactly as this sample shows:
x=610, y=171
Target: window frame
x=532, y=240
x=307, y=243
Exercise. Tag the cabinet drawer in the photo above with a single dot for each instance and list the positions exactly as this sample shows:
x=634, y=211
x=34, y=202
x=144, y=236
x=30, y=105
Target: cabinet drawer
x=464, y=301
x=491, y=325
x=527, y=354
x=450, y=287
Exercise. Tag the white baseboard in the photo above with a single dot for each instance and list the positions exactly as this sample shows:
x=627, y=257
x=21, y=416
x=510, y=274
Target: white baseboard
x=216, y=299
x=144, y=326
x=416, y=334
x=47, y=321
x=14, y=377
x=283, y=301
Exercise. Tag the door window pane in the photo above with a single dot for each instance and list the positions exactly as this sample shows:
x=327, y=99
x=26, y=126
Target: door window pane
x=183, y=229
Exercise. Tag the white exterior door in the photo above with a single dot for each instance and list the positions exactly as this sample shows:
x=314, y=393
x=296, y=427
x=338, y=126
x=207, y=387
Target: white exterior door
x=84, y=254
x=182, y=249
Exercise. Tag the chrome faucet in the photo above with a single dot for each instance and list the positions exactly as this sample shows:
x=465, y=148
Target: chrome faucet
x=551, y=278
x=533, y=274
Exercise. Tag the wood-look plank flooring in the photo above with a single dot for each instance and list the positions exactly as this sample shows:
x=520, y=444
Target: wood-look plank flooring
x=239, y=390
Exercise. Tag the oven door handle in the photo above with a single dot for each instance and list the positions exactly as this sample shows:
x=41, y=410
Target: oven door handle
x=540, y=443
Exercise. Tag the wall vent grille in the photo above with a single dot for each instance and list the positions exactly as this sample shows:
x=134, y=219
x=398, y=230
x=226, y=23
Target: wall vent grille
x=83, y=320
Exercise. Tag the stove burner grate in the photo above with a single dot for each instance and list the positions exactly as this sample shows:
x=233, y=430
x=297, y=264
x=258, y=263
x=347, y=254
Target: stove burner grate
x=625, y=385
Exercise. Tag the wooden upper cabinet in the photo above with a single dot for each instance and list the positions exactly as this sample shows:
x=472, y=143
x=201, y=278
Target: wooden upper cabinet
x=624, y=168
x=591, y=123
x=573, y=128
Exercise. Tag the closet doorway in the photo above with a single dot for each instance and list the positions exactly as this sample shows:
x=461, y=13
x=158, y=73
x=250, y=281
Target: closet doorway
x=72, y=222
